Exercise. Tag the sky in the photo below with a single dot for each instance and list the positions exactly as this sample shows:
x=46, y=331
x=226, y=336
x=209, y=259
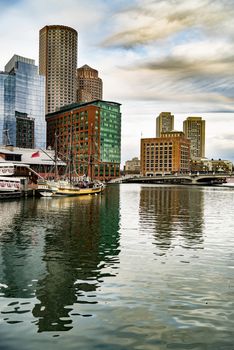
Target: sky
x=152, y=55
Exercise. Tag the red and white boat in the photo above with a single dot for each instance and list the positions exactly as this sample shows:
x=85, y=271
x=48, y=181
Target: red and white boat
x=10, y=187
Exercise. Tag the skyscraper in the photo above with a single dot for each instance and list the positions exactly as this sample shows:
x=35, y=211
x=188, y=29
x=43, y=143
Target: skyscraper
x=89, y=85
x=58, y=62
x=164, y=123
x=22, y=104
x=194, y=129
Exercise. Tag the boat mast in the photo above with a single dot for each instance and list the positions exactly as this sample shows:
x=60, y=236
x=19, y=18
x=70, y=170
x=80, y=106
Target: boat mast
x=56, y=156
x=71, y=151
x=91, y=153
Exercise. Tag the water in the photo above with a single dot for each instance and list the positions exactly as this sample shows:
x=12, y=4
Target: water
x=140, y=267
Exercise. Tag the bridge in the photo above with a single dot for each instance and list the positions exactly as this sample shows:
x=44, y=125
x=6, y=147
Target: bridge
x=183, y=179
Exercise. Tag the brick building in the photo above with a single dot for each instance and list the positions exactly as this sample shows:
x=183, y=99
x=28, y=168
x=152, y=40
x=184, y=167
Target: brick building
x=88, y=133
x=167, y=154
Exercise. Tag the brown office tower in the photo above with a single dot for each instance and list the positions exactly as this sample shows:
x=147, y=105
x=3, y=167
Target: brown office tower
x=168, y=154
x=58, y=62
x=164, y=123
x=89, y=85
x=194, y=129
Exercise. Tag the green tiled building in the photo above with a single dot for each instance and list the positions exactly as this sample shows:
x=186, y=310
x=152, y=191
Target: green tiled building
x=91, y=132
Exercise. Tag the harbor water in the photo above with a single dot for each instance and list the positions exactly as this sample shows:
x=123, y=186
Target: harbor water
x=145, y=267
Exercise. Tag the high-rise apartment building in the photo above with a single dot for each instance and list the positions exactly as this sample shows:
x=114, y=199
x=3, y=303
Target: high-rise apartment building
x=167, y=154
x=22, y=104
x=164, y=123
x=58, y=62
x=89, y=85
x=88, y=133
x=194, y=129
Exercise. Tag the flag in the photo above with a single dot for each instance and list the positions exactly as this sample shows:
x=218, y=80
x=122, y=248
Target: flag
x=36, y=154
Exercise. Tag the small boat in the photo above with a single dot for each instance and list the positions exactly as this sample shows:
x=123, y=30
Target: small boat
x=46, y=188
x=46, y=193
x=10, y=187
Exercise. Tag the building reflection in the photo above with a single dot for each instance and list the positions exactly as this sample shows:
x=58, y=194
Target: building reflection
x=18, y=266
x=175, y=213
x=78, y=247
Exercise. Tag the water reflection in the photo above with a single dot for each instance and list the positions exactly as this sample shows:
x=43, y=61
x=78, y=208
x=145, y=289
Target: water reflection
x=59, y=250
x=21, y=245
x=173, y=213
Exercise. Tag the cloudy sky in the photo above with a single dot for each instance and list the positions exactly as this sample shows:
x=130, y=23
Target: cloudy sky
x=153, y=56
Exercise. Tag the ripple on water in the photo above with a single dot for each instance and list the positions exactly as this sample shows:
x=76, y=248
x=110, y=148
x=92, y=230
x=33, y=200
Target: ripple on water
x=142, y=267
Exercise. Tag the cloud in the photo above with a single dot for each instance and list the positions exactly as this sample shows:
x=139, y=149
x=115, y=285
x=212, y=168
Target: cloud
x=153, y=56
x=183, y=52
x=149, y=21
x=25, y=18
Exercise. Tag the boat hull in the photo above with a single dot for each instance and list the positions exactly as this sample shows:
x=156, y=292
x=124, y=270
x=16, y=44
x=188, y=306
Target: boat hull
x=10, y=194
x=46, y=193
x=77, y=191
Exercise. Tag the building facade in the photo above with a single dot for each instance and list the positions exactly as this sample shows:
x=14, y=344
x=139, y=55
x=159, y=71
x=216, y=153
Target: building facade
x=206, y=166
x=25, y=130
x=194, y=129
x=26, y=161
x=168, y=154
x=132, y=166
x=58, y=62
x=90, y=135
x=89, y=85
x=22, y=93
x=164, y=123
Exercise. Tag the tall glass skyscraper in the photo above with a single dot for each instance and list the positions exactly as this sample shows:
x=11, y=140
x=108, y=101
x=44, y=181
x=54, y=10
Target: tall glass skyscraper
x=22, y=92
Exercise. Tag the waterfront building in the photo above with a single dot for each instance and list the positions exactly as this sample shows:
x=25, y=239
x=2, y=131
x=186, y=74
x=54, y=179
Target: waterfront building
x=22, y=104
x=168, y=154
x=27, y=161
x=89, y=85
x=204, y=165
x=58, y=62
x=132, y=166
x=164, y=123
x=88, y=133
x=194, y=129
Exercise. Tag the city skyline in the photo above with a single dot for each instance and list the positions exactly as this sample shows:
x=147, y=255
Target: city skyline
x=180, y=63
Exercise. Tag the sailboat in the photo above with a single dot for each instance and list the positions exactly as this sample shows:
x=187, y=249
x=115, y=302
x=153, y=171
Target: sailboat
x=69, y=187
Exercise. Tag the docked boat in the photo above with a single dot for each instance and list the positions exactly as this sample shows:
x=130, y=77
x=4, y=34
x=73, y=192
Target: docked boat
x=73, y=184
x=65, y=188
x=81, y=188
x=46, y=188
x=10, y=187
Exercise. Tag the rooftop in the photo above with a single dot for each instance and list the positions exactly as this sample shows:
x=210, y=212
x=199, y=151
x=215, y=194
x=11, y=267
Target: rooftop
x=72, y=106
x=30, y=156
